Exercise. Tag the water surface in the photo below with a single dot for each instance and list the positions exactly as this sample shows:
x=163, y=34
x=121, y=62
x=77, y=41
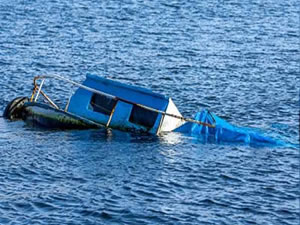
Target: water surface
x=238, y=59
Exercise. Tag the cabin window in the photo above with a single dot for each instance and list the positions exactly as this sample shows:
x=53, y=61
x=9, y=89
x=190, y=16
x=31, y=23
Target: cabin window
x=143, y=116
x=102, y=104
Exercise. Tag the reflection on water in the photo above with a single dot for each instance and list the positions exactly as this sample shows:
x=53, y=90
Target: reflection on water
x=171, y=138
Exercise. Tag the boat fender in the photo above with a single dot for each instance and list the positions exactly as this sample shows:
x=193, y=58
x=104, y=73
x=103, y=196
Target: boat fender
x=14, y=109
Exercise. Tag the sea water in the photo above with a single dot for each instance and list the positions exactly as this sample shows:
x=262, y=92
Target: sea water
x=239, y=59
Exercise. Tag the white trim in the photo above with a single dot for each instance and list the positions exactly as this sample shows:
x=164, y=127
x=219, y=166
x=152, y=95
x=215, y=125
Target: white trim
x=170, y=123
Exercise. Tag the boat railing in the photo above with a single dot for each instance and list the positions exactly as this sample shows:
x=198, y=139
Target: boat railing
x=37, y=90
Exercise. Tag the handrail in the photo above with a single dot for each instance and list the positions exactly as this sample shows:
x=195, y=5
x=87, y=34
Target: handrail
x=57, y=77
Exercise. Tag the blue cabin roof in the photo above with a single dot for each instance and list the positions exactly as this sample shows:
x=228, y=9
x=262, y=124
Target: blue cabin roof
x=105, y=81
x=128, y=92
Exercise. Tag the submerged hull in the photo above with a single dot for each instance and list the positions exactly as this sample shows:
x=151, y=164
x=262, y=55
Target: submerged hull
x=49, y=117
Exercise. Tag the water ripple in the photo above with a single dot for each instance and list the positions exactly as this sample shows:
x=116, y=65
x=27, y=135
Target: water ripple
x=240, y=60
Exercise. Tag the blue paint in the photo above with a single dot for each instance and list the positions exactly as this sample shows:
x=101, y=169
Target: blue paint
x=80, y=101
x=129, y=92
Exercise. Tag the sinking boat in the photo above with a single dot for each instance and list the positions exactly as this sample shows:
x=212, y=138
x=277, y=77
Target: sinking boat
x=101, y=102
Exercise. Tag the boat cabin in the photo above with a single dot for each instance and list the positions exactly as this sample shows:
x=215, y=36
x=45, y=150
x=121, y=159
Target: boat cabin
x=123, y=106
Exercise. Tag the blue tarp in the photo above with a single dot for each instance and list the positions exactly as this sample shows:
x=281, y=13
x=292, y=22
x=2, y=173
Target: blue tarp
x=224, y=132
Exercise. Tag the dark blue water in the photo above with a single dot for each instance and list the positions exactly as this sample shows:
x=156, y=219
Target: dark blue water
x=240, y=59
